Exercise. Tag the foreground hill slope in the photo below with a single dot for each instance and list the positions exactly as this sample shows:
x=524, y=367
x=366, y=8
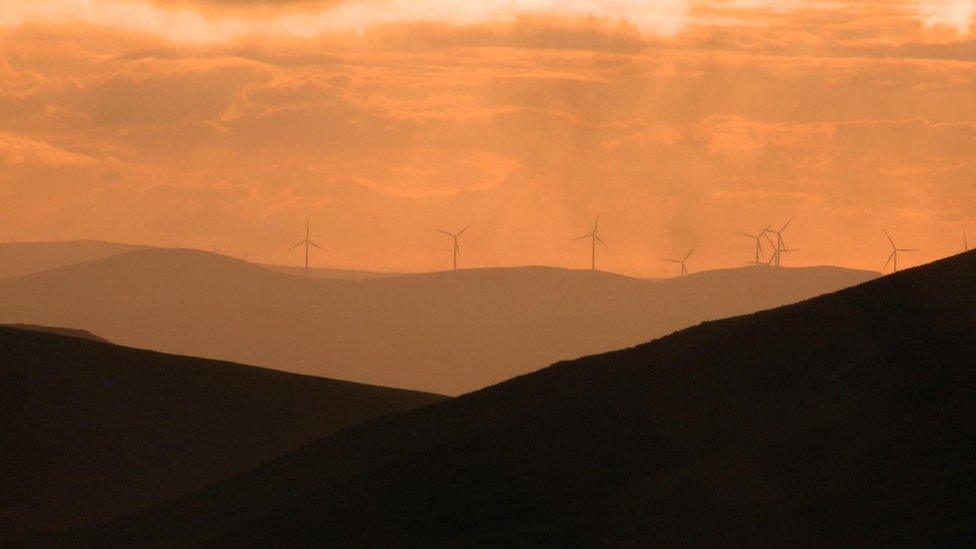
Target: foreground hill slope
x=92, y=430
x=844, y=420
x=448, y=332
x=20, y=258
x=71, y=332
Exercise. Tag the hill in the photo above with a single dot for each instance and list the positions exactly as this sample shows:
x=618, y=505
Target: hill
x=448, y=332
x=20, y=258
x=70, y=332
x=845, y=420
x=327, y=272
x=92, y=430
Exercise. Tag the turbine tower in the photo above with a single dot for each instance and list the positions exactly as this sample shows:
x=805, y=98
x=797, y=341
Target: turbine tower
x=307, y=242
x=780, y=245
x=760, y=256
x=684, y=269
x=594, y=239
x=894, y=253
x=965, y=240
x=457, y=246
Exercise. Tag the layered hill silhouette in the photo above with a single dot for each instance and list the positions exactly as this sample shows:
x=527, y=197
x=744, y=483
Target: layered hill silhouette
x=84, y=334
x=845, y=420
x=448, y=332
x=20, y=258
x=92, y=430
x=329, y=272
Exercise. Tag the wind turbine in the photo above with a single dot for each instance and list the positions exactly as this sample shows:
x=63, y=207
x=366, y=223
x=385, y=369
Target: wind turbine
x=307, y=242
x=684, y=269
x=457, y=247
x=894, y=253
x=594, y=239
x=780, y=245
x=760, y=256
x=965, y=240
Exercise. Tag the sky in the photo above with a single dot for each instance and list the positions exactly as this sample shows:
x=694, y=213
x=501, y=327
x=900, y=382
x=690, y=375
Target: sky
x=224, y=124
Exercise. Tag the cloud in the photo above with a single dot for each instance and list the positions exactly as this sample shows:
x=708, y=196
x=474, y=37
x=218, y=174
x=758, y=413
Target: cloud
x=957, y=14
x=181, y=22
x=16, y=149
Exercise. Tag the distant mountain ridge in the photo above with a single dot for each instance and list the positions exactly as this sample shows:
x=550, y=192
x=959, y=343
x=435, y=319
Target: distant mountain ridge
x=91, y=431
x=844, y=420
x=20, y=258
x=447, y=332
x=330, y=272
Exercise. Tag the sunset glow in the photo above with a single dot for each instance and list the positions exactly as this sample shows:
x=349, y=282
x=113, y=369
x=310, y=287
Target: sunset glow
x=226, y=123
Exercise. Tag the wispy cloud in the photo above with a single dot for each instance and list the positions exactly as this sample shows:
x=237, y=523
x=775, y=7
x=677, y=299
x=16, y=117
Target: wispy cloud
x=957, y=14
x=660, y=17
x=16, y=149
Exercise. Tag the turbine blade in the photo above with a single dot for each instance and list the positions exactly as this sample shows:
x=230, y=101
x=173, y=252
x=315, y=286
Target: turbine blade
x=787, y=225
x=671, y=260
x=890, y=257
x=316, y=245
x=462, y=230
x=297, y=245
x=889, y=238
x=600, y=240
x=907, y=249
x=748, y=235
x=689, y=255
x=445, y=232
x=597, y=224
x=584, y=236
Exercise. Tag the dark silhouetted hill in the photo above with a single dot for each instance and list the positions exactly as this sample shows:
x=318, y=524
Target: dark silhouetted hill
x=92, y=430
x=846, y=420
x=70, y=332
x=20, y=258
x=447, y=332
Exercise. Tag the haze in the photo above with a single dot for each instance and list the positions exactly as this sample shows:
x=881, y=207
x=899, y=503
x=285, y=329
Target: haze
x=224, y=124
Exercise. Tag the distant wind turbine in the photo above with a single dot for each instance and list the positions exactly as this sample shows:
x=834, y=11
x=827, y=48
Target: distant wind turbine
x=780, y=245
x=760, y=256
x=244, y=254
x=594, y=239
x=307, y=242
x=894, y=253
x=457, y=246
x=684, y=268
x=965, y=240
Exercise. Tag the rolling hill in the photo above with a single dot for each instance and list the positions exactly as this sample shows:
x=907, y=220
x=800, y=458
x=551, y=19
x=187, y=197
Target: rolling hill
x=845, y=420
x=92, y=430
x=20, y=258
x=70, y=332
x=448, y=332
x=328, y=272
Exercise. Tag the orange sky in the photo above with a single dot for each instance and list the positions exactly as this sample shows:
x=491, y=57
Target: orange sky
x=225, y=123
